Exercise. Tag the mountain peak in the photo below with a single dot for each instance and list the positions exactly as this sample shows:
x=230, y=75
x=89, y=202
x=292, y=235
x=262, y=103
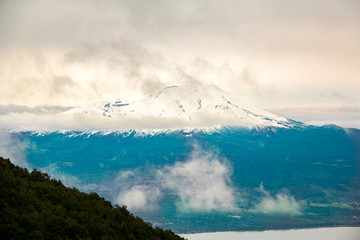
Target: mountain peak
x=179, y=106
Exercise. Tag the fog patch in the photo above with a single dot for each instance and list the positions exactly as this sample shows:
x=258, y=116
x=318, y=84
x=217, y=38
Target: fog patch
x=45, y=109
x=346, y=115
x=282, y=203
x=54, y=171
x=140, y=197
x=13, y=148
x=28, y=121
x=202, y=183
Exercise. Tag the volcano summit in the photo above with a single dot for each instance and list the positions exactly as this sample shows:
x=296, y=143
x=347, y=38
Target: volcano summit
x=183, y=107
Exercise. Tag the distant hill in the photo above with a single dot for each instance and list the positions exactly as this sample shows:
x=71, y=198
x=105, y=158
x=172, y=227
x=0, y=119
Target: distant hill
x=34, y=206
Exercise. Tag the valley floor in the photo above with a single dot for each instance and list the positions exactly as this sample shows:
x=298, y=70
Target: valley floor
x=334, y=233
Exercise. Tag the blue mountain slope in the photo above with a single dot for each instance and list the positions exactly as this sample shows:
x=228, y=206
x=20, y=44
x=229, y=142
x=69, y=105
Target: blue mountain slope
x=229, y=179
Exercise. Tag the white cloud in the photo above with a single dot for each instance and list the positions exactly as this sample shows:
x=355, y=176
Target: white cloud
x=342, y=114
x=14, y=148
x=93, y=121
x=140, y=197
x=282, y=203
x=70, y=180
x=201, y=183
x=300, y=47
x=54, y=171
x=108, y=70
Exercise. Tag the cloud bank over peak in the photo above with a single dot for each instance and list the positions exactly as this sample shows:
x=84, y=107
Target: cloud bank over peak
x=266, y=53
x=111, y=69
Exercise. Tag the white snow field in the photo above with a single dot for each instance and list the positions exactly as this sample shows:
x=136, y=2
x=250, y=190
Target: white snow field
x=184, y=106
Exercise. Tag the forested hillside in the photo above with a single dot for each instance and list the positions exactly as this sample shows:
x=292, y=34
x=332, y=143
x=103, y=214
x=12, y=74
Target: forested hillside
x=34, y=206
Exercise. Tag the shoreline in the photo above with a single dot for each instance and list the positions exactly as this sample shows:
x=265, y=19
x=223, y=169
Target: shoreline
x=329, y=233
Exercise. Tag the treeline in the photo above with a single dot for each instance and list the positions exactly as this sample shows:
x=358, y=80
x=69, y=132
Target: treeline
x=34, y=206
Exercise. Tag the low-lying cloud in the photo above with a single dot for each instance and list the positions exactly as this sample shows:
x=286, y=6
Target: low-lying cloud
x=140, y=197
x=13, y=148
x=6, y=109
x=201, y=183
x=282, y=203
x=55, y=171
x=92, y=121
x=342, y=114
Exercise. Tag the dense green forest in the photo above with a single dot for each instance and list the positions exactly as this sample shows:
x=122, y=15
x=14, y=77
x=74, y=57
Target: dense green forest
x=34, y=206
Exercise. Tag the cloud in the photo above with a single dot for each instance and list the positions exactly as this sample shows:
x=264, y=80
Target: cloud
x=14, y=148
x=58, y=170
x=140, y=197
x=31, y=78
x=138, y=189
x=23, y=118
x=282, y=203
x=6, y=109
x=61, y=84
x=104, y=70
x=201, y=183
x=123, y=65
x=55, y=122
x=28, y=121
x=109, y=49
x=342, y=114
x=150, y=86
x=339, y=95
x=148, y=70
x=55, y=171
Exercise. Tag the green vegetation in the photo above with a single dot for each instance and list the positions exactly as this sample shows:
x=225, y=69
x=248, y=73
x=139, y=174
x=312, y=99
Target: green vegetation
x=34, y=206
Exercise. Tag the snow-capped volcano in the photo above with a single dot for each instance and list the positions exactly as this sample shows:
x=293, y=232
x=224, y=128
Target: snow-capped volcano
x=194, y=107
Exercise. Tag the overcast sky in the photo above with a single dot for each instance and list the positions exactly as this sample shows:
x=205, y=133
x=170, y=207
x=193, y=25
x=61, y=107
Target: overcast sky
x=278, y=54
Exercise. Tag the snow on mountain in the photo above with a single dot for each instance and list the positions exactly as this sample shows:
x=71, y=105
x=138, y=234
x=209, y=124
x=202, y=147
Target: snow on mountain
x=196, y=107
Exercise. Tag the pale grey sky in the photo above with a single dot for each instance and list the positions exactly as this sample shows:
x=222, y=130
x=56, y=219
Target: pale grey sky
x=273, y=54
